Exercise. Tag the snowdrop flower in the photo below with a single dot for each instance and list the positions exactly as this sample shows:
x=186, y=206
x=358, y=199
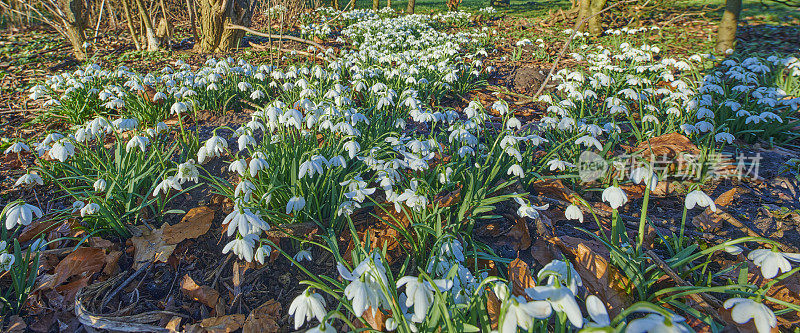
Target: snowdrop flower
x=239, y=166
x=657, y=323
x=520, y=313
x=615, y=197
x=28, y=179
x=257, y=164
x=178, y=108
x=420, y=294
x=295, y=204
x=17, y=147
x=21, y=213
x=166, y=184
x=559, y=165
x=772, y=262
x=744, y=309
x=305, y=306
x=325, y=327
x=500, y=107
x=90, y=209
x=699, y=198
x=573, y=213
x=137, y=141
x=262, y=252
x=527, y=210
x=516, y=170
x=561, y=299
x=588, y=141
x=242, y=247
x=99, y=185
x=6, y=261
x=62, y=150
x=302, y=255
x=187, y=171
x=642, y=174
x=724, y=137
x=245, y=221
x=597, y=311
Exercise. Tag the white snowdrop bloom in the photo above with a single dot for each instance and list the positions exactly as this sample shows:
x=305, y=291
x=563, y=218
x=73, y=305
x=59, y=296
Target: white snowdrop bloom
x=76, y=206
x=724, y=137
x=528, y=210
x=28, y=179
x=337, y=161
x=516, y=170
x=244, y=221
x=302, y=255
x=62, y=150
x=295, y=204
x=588, y=141
x=744, y=310
x=310, y=168
x=733, y=249
x=244, y=86
x=704, y=126
x=242, y=247
x=642, y=174
x=772, y=262
x=699, y=198
x=597, y=311
x=257, y=94
x=352, y=148
x=187, y=171
x=364, y=289
x=257, y=164
x=657, y=323
x=513, y=123
x=213, y=147
x=559, y=165
x=6, y=261
x=420, y=294
x=306, y=306
x=159, y=96
x=21, y=213
x=615, y=197
x=500, y=107
x=573, y=212
x=123, y=125
x=178, y=108
x=99, y=185
x=138, y=141
x=649, y=118
x=238, y=166
x=90, y=209
x=689, y=129
x=561, y=299
x=261, y=253
x=244, y=140
x=17, y=147
x=465, y=150
x=520, y=313
x=244, y=190
x=166, y=184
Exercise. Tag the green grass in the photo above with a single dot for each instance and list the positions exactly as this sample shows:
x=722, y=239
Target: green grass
x=526, y=8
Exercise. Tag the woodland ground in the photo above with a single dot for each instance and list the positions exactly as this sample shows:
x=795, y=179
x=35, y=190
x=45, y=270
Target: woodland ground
x=768, y=206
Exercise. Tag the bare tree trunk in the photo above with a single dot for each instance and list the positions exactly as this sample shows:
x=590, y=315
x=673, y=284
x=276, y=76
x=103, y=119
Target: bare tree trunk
x=388, y=3
x=594, y=22
x=75, y=17
x=190, y=8
x=726, y=37
x=150, y=32
x=375, y=4
x=129, y=20
x=214, y=16
x=410, y=7
x=584, y=11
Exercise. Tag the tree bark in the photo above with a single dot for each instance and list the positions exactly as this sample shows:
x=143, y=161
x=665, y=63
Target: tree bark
x=726, y=37
x=214, y=16
x=129, y=20
x=595, y=28
x=150, y=32
x=75, y=19
x=375, y=4
x=584, y=11
x=410, y=7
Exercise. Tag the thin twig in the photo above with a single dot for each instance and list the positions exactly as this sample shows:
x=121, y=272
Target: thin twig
x=262, y=34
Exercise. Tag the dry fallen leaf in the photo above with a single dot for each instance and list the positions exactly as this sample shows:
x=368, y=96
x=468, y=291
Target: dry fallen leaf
x=375, y=321
x=263, y=319
x=194, y=224
x=602, y=279
x=224, y=324
x=520, y=277
x=82, y=262
x=203, y=294
x=16, y=325
x=150, y=247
